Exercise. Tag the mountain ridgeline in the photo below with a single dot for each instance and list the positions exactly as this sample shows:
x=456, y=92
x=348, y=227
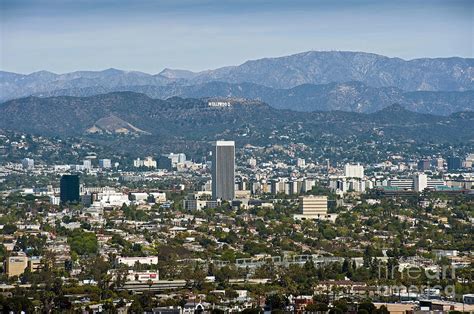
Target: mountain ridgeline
x=140, y=116
x=351, y=96
x=309, y=81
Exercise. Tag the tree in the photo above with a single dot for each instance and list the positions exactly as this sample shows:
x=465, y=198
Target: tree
x=136, y=307
x=317, y=307
x=195, y=276
x=276, y=301
x=340, y=306
x=231, y=293
x=17, y=304
x=366, y=307
x=9, y=229
x=329, y=233
x=83, y=242
x=109, y=307
x=62, y=303
x=369, y=252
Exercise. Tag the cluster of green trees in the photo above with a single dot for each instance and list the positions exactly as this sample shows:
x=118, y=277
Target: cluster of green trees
x=82, y=242
x=132, y=213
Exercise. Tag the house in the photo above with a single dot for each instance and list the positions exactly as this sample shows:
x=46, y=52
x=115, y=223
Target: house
x=191, y=307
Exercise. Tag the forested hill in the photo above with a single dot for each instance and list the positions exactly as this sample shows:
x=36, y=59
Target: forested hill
x=133, y=113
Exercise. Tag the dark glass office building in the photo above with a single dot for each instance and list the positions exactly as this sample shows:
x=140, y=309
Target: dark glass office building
x=223, y=170
x=454, y=163
x=69, y=189
x=424, y=164
x=164, y=162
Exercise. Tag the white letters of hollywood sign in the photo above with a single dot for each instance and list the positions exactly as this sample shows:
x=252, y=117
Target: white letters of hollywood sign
x=218, y=104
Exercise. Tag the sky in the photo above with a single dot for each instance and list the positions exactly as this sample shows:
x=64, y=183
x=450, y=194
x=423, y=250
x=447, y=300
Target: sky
x=150, y=35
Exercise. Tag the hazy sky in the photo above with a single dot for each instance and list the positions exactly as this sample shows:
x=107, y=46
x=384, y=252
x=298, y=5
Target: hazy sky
x=149, y=35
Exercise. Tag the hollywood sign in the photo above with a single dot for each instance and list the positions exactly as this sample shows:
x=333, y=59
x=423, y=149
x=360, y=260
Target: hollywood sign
x=219, y=104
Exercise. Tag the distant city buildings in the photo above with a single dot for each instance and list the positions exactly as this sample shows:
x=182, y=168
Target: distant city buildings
x=108, y=197
x=420, y=182
x=342, y=184
x=124, y=215
x=177, y=158
x=278, y=186
x=105, y=163
x=165, y=162
x=69, y=189
x=353, y=180
x=300, y=162
x=468, y=163
x=354, y=171
x=132, y=261
x=405, y=184
x=193, y=204
x=148, y=162
x=223, y=170
x=87, y=163
x=313, y=207
x=27, y=163
x=252, y=162
x=417, y=183
x=454, y=163
x=438, y=163
x=16, y=265
x=424, y=164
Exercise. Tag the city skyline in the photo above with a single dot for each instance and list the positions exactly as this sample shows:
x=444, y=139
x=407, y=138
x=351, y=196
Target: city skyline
x=237, y=156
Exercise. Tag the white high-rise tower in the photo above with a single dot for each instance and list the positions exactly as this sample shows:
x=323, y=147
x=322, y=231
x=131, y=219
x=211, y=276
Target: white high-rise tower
x=223, y=170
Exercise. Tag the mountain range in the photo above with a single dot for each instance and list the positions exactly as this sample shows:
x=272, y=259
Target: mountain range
x=309, y=81
x=195, y=119
x=350, y=96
